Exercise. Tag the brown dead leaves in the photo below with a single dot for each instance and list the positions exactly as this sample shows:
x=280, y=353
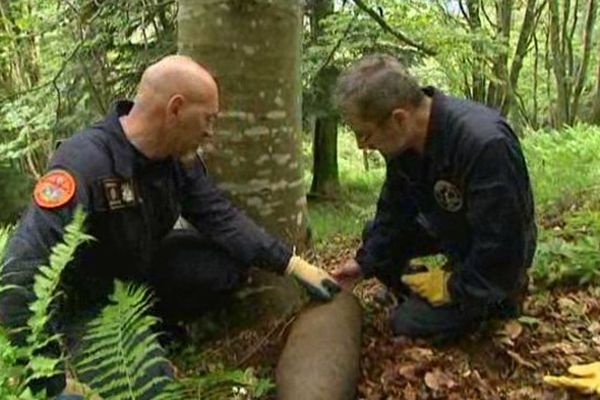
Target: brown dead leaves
x=506, y=362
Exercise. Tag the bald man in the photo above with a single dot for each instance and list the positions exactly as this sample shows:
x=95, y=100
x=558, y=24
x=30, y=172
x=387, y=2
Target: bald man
x=135, y=173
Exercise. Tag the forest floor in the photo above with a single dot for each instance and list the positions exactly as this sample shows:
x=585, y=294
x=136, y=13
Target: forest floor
x=559, y=327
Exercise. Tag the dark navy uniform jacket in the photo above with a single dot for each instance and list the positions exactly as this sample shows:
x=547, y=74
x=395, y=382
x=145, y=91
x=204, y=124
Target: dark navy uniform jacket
x=132, y=203
x=472, y=191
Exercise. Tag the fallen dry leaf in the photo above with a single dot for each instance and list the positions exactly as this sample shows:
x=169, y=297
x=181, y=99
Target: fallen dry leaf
x=409, y=372
x=409, y=392
x=594, y=327
x=419, y=354
x=438, y=380
x=513, y=329
x=520, y=360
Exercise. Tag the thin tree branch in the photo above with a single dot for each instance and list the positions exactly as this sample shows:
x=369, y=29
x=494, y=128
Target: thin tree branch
x=464, y=12
x=398, y=35
x=487, y=16
x=335, y=48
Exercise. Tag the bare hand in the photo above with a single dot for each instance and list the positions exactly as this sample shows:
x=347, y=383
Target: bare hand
x=348, y=273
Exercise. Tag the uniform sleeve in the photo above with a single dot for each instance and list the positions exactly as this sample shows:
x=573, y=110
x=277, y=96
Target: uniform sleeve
x=28, y=248
x=205, y=207
x=501, y=221
x=383, y=236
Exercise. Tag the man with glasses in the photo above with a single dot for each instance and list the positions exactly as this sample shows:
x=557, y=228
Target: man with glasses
x=456, y=184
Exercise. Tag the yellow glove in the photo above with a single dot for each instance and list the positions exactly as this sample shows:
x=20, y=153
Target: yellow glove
x=431, y=285
x=588, y=380
x=318, y=282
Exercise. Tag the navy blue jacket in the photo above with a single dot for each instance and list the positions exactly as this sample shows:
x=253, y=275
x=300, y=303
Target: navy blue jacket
x=472, y=190
x=127, y=226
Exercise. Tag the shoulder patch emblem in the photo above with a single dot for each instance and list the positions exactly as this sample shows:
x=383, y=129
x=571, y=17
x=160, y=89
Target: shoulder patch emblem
x=55, y=189
x=448, y=196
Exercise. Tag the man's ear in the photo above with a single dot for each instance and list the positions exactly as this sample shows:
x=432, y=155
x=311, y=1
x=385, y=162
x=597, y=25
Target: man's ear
x=174, y=107
x=400, y=115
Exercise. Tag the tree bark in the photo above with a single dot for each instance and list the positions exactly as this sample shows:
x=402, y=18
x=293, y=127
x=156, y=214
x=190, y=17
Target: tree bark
x=325, y=182
x=478, y=75
x=558, y=65
x=525, y=36
x=595, y=117
x=253, y=49
x=582, y=71
x=570, y=69
x=497, y=88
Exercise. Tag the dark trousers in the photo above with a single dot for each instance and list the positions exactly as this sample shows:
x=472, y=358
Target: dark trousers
x=189, y=276
x=414, y=316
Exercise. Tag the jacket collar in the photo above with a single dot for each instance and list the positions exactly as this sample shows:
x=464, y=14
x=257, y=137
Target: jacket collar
x=126, y=158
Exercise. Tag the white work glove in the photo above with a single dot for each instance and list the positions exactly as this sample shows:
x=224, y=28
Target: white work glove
x=318, y=282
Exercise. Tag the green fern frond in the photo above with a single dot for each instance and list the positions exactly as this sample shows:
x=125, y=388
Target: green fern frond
x=48, y=278
x=120, y=349
x=18, y=147
x=4, y=235
x=45, y=286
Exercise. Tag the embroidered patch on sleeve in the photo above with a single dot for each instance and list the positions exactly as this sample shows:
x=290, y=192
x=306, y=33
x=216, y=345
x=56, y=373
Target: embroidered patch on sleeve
x=54, y=189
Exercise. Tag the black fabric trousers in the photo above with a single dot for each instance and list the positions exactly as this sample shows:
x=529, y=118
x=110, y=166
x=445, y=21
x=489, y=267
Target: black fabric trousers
x=189, y=276
x=414, y=316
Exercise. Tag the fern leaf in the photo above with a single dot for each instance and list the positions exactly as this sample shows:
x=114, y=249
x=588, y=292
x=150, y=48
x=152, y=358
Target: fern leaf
x=45, y=287
x=4, y=235
x=121, y=352
x=48, y=277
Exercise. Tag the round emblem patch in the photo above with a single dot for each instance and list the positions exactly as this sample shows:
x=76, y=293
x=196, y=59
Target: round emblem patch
x=448, y=196
x=54, y=189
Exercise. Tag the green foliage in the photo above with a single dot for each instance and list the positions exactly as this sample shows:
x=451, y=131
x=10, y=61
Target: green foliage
x=4, y=235
x=62, y=63
x=570, y=254
x=14, y=192
x=564, y=165
x=358, y=195
x=228, y=384
x=121, y=349
x=19, y=365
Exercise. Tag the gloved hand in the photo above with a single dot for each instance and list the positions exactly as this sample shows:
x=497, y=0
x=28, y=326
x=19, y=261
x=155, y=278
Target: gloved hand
x=318, y=282
x=431, y=285
x=588, y=380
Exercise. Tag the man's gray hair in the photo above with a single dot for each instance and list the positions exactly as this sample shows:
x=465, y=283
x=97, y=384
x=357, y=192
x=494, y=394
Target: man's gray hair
x=373, y=87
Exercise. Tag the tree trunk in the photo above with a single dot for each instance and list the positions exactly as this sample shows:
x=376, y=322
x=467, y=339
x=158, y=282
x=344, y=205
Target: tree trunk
x=325, y=182
x=253, y=49
x=498, y=88
x=558, y=65
x=525, y=35
x=478, y=92
x=582, y=71
x=595, y=117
